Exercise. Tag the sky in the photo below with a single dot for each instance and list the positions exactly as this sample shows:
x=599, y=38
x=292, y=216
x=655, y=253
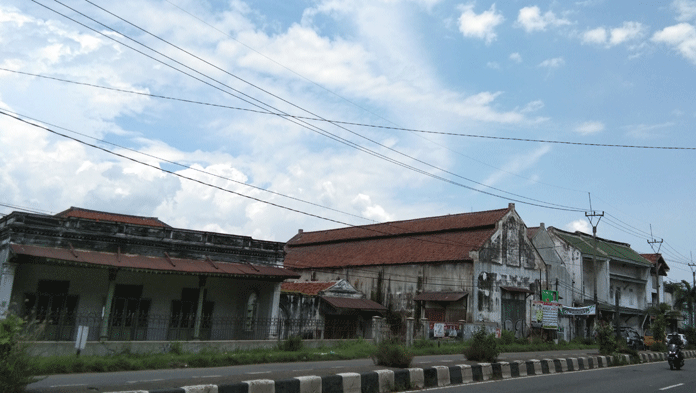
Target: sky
x=261, y=118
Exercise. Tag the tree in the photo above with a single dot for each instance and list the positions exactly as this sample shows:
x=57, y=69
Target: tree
x=686, y=295
x=659, y=324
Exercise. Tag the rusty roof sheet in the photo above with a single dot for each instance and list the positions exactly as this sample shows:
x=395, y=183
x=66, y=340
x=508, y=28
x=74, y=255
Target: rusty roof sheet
x=162, y=264
x=113, y=217
x=440, y=296
x=429, y=248
x=307, y=287
x=353, y=304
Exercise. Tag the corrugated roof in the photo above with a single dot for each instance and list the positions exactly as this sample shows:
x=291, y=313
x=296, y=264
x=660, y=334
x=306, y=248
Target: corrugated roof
x=605, y=248
x=311, y=288
x=440, y=296
x=162, y=264
x=113, y=217
x=354, y=304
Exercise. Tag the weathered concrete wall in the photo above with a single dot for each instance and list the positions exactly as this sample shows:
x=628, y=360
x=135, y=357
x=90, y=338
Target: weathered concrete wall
x=96, y=348
x=396, y=286
x=508, y=259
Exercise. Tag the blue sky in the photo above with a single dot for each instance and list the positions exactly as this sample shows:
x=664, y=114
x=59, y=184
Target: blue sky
x=587, y=72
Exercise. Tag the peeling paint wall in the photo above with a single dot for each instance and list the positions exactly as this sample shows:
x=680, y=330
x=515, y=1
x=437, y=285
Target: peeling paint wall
x=508, y=259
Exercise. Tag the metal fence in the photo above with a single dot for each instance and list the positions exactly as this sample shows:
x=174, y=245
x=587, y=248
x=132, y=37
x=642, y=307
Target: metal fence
x=178, y=327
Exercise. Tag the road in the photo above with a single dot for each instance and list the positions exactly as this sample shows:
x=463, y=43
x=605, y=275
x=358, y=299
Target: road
x=158, y=379
x=647, y=377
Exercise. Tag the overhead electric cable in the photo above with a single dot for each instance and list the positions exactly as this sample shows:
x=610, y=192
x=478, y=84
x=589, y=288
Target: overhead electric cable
x=310, y=112
x=369, y=228
x=548, y=205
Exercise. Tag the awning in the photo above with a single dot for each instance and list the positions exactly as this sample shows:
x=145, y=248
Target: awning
x=440, y=296
x=163, y=264
x=516, y=289
x=344, y=303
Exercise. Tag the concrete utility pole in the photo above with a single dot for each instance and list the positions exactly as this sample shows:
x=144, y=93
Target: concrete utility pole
x=657, y=264
x=590, y=215
x=693, y=274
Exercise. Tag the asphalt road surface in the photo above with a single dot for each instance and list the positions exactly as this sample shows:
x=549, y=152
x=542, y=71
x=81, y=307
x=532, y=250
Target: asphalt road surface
x=641, y=378
x=172, y=378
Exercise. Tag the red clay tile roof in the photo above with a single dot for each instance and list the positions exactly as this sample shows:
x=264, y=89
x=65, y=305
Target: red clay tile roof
x=426, y=240
x=654, y=258
x=408, y=227
x=307, y=287
x=153, y=264
x=113, y=217
x=354, y=304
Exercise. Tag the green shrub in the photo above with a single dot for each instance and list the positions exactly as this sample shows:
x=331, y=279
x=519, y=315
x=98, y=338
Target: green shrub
x=507, y=337
x=606, y=338
x=16, y=370
x=392, y=354
x=658, y=347
x=176, y=348
x=292, y=344
x=483, y=347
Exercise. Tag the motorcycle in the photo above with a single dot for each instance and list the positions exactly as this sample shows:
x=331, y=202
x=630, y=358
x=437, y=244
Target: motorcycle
x=675, y=358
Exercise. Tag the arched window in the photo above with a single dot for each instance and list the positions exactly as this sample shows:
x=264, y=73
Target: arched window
x=252, y=307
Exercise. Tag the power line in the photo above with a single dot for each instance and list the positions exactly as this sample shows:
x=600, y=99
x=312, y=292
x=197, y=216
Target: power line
x=548, y=205
x=332, y=121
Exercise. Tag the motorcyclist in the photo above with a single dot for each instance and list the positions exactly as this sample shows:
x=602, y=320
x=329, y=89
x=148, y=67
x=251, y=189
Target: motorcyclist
x=676, y=340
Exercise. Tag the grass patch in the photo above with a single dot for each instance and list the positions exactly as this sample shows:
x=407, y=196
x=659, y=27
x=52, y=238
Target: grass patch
x=344, y=350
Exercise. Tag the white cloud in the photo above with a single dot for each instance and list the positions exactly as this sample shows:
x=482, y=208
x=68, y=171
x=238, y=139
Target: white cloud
x=685, y=8
x=516, y=164
x=516, y=57
x=531, y=19
x=494, y=65
x=681, y=37
x=552, y=63
x=479, y=25
x=590, y=127
x=627, y=32
x=579, y=225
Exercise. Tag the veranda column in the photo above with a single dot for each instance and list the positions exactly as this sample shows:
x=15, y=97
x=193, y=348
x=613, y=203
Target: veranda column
x=104, y=334
x=199, y=310
x=425, y=327
x=409, y=331
x=8, y=271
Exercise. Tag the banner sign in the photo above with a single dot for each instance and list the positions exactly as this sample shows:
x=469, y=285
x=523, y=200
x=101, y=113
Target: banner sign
x=576, y=311
x=441, y=329
x=545, y=315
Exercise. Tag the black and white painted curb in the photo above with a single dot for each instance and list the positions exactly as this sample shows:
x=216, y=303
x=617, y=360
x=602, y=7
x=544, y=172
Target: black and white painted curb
x=387, y=381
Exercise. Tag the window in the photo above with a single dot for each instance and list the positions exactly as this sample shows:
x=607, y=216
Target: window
x=252, y=307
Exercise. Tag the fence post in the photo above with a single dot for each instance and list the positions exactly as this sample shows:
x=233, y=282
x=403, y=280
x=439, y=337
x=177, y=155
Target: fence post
x=461, y=326
x=409, y=331
x=425, y=326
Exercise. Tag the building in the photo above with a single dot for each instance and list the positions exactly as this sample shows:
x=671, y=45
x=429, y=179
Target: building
x=559, y=278
x=480, y=268
x=327, y=310
x=136, y=278
x=656, y=287
x=618, y=282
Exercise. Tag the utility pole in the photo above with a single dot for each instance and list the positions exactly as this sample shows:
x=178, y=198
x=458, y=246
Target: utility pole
x=657, y=263
x=693, y=273
x=590, y=215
